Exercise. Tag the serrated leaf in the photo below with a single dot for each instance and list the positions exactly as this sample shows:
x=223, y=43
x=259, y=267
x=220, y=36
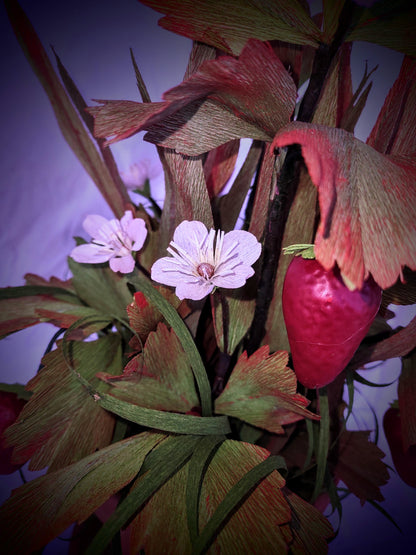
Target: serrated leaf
x=43, y=508
x=255, y=523
x=228, y=26
x=262, y=391
x=160, y=378
x=101, y=288
x=68, y=119
x=354, y=198
x=360, y=467
x=48, y=429
x=407, y=400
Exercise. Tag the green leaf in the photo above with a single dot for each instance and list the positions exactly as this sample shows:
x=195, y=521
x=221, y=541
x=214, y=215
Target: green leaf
x=42, y=509
x=17, y=388
x=166, y=461
x=158, y=378
x=48, y=429
x=357, y=377
x=68, y=118
x=184, y=336
x=262, y=391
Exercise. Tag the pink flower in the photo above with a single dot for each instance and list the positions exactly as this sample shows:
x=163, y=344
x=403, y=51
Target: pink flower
x=138, y=174
x=202, y=260
x=113, y=241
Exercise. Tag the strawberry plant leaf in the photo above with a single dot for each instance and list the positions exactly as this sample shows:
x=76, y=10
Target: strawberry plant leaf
x=43, y=508
x=359, y=466
x=47, y=431
x=262, y=391
x=160, y=378
x=219, y=166
x=67, y=116
x=322, y=448
x=229, y=26
x=349, y=233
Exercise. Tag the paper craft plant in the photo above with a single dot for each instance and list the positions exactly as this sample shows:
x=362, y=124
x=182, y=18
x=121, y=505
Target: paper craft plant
x=180, y=425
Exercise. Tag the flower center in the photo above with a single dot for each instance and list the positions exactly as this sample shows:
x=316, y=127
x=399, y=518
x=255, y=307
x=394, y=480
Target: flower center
x=205, y=270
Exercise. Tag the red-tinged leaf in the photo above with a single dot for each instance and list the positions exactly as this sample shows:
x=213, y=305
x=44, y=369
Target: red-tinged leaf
x=160, y=378
x=200, y=126
x=234, y=83
x=228, y=26
x=219, y=165
x=33, y=279
x=407, y=400
x=19, y=313
x=48, y=429
x=186, y=195
x=299, y=229
x=309, y=527
x=394, y=131
x=390, y=24
x=401, y=293
x=262, y=391
x=161, y=525
x=367, y=202
x=360, y=467
x=399, y=344
x=68, y=119
x=40, y=510
x=230, y=205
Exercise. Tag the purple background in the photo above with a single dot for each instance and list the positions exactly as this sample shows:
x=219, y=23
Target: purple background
x=45, y=195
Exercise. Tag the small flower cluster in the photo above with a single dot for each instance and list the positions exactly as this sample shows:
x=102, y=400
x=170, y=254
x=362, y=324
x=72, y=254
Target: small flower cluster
x=200, y=260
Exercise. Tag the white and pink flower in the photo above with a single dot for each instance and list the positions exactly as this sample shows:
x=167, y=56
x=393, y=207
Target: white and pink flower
x=202, y=260
x=113, y=241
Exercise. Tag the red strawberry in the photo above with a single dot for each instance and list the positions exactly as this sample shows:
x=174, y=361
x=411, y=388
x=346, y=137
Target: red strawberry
x=325, y=321
x=404, y=461
x=10, y=408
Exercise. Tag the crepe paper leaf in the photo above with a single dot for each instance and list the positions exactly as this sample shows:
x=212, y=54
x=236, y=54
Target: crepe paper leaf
x=401, y=293
x=336, y=94
x=265, y=191
x=310, y=529
x=33, y=279
x=67, y=116
x=101, y=288
x=388, y=24
x=17, y=388
x=201, y=457
x=262, y=391
x=236, y=309
x=331, y=11
x=407, y=400
x=43, y=508
x=160, y=378
x=162, y=465
x=219, y=166
x=48, y=429
x=199, y=127
x=360, y=467
x=233, y=83
x=322, y=448
x=299, y=228
x=399, y=344
x=354, y=199
x=186, y=195
x=358, y=101
x=229, y=26
x=230, y=205
x=393, y=132
x=174, y=320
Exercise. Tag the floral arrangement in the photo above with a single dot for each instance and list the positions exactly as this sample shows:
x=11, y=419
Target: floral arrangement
x=192, y=399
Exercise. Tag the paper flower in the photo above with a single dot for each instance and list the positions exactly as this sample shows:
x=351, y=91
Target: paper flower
x=112, y=240
x=202, y=260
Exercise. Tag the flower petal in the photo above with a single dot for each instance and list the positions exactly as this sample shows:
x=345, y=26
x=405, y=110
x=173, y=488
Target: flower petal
x=126, y=218
x=189, y=235
x=237, y=278
x=194, y=291
x=93, y=224
x=248, y=249
x=136, y=230
x=91, y=253
x=123, y=264
x=167, y=271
